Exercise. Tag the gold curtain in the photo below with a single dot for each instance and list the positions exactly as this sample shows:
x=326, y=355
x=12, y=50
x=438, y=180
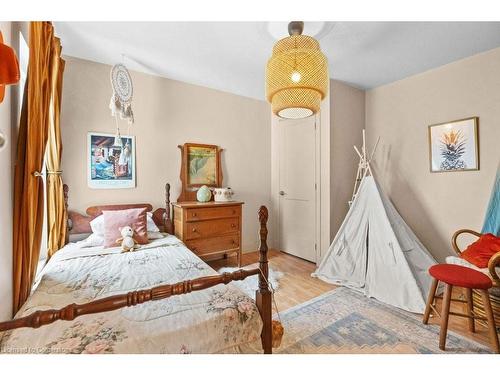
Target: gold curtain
x=32, y=139
x=56, y=210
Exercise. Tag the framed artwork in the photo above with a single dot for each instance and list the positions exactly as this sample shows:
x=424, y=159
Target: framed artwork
x=201, y=165
x=454, y=146
x=110, y=165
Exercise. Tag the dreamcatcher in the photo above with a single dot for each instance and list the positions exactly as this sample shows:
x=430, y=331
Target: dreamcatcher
x=121, y=101
x=121, y=104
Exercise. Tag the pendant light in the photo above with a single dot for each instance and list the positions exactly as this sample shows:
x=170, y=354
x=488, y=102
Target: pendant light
x=296, y=75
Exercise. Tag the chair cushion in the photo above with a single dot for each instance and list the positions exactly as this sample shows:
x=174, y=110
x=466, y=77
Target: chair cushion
x=480, y=252
x=460, y=276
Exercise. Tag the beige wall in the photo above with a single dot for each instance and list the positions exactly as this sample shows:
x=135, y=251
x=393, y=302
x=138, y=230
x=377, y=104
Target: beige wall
x=6, y=166
x=347, y=119
x=167, y=113
x=436, y=204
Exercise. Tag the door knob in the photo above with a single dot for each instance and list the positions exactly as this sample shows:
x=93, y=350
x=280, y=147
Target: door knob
x=282, y=192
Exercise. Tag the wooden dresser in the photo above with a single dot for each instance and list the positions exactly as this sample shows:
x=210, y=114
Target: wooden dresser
x=212, y=228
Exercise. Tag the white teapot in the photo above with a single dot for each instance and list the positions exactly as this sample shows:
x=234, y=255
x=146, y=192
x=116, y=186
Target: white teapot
x=223, y=194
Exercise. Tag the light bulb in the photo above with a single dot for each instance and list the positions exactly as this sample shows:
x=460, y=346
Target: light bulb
x=296, y=77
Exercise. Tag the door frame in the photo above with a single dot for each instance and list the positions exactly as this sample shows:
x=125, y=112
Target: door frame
x=322, y=179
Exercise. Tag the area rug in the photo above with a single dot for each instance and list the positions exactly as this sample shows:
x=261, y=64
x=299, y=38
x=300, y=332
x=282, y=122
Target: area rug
x=251, y=284
x=344, y=321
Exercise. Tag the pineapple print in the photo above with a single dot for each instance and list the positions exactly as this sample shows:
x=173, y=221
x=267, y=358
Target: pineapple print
x=452, y=149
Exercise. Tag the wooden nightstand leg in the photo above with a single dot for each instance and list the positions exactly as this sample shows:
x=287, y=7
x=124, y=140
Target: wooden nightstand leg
x=239, y=258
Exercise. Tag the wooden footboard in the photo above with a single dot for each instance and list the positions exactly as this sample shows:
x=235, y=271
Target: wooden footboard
x=263, y=295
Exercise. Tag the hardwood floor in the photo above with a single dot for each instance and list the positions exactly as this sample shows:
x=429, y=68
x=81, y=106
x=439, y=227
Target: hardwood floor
x=297, y=286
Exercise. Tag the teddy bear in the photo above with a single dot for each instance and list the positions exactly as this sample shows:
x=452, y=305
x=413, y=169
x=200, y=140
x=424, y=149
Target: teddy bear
x=127, y=241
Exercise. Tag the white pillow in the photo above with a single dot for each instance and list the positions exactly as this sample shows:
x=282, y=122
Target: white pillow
x=151, y=226
x=462, y=262
x=97, y=224
x=155, y=235
x=93, y=240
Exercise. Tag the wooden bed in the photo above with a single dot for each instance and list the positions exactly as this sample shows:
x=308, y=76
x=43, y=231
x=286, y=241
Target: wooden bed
x=79, y=223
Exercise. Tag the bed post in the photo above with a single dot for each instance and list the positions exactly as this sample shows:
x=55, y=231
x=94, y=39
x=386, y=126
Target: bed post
x=169, y=227
x=68, y=224
x=263, y=295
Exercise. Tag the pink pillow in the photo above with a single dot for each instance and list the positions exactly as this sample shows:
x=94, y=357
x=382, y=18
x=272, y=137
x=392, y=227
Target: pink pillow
x=114, y=220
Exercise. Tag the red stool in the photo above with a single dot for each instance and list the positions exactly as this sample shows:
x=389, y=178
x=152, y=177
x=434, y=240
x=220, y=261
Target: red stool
x=453, y=275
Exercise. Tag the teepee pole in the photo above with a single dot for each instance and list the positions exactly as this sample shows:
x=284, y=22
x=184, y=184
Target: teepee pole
x=364, y=145
x=356, y=182
x=357, y=152
x=364, y=168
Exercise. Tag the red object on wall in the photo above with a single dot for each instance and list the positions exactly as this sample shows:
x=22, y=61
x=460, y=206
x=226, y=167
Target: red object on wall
x=9, y=67
x=480, y=252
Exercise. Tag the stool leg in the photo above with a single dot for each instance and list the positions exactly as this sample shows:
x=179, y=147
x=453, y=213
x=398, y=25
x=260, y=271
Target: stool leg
x=430, y=300
x=445, y=310
x=491, y=320
x=470, y=309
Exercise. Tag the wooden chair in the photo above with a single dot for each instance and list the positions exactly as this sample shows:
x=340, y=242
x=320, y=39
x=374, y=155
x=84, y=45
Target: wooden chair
x=493, y=292
x=453, y=275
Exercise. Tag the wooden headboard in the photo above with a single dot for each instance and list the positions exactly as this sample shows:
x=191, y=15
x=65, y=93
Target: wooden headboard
x=79, y=223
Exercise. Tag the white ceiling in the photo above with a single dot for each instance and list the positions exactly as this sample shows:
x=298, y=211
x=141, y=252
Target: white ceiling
x=231, y=56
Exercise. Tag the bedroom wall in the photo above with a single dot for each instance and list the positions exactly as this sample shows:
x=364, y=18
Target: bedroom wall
x=437, y=204
x=6, y=197
x=167, y=113
x=347, y=119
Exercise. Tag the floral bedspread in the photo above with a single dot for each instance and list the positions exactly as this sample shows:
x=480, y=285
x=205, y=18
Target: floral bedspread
x=208, y=321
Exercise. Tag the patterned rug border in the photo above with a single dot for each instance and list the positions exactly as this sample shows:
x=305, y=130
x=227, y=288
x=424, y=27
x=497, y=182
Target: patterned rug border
x=377, y=302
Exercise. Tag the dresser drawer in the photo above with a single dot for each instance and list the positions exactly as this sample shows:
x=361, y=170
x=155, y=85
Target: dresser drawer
x=212, y=245
x=211, y=228
x=197, y=214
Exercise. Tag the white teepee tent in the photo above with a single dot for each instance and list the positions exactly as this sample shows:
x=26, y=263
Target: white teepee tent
x=376, y=253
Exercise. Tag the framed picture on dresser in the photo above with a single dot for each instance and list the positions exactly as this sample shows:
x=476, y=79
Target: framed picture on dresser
x=110, y=162
x=200, y=165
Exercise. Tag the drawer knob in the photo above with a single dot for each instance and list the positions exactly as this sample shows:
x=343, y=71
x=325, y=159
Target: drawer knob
x=194, y=230
x=234, y=212
x=233, y=225
x=194, y=214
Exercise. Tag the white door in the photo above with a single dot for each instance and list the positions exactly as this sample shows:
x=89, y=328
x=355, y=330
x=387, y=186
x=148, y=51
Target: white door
x=297, y=187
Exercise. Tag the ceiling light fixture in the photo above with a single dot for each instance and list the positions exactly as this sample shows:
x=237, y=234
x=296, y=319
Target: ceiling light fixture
x=296, y=75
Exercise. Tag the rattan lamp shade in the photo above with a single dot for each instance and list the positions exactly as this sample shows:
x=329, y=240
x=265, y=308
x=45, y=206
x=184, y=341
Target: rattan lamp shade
x=296, y=77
